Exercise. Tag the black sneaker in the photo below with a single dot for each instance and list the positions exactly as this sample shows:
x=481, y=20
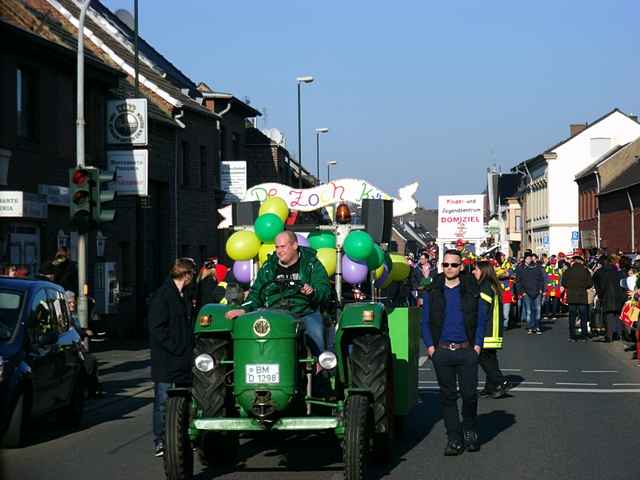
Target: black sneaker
x=530, y=331
x=471, y=442
x=538, y=331
x=453, y=448
x=501, y=390
x=159, y=449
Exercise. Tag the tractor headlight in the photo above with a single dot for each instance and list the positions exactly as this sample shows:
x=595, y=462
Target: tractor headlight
x=205, y=362
x=327, y=360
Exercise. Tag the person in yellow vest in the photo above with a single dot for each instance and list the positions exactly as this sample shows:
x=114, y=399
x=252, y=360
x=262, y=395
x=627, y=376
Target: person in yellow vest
x=496, y=384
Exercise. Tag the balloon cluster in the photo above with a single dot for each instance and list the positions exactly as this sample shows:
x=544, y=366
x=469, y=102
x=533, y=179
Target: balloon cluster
x=362, y=254
x=244, y=246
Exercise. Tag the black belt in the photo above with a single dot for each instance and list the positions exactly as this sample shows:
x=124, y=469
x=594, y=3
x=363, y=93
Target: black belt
x=453, y=346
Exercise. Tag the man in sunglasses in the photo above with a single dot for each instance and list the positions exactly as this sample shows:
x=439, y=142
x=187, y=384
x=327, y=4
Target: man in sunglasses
x=453, y=332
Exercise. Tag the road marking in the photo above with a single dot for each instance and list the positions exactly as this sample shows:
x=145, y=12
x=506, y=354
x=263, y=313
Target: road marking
x=532, y=383
x=552, y=371
x=576, y=383
x=424, y=369
x=626, y=384
x=559, y=390
x=599, y=371
x=422, y=361
x=511, y=370
x=576, y=390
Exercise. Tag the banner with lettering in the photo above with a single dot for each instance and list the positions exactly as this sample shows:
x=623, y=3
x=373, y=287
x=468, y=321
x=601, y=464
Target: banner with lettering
x=344, y=190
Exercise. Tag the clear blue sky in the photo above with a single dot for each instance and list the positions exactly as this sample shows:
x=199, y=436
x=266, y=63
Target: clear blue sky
x=411, y=90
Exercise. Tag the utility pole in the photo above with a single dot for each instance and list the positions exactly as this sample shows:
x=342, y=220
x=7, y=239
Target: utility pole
x=83, y=308
x=140, y=216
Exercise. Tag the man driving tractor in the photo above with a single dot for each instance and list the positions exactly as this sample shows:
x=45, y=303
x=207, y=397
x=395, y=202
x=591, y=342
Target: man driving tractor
x=297, y=266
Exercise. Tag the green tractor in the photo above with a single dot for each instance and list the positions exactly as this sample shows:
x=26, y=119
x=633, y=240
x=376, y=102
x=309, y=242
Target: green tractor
x=256, y=374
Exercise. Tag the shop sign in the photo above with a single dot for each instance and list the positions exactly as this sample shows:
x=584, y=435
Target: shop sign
x=132, y=171
x=23, y=205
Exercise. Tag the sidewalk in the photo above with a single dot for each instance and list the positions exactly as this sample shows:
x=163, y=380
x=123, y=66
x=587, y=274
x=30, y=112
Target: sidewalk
x=123, y=369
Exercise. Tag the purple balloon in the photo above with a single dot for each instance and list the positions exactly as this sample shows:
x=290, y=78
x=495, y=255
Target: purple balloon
x=242, y=270
x=302, y=240
x=378, y=283
x=354, y=272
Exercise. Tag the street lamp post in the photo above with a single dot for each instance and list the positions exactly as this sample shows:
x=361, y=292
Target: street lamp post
x=318, y=132
x=83, y=307
x=300, y=81
x=329, y=164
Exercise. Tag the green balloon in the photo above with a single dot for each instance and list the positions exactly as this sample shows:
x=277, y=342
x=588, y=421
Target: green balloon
x=376, y=258
x=358, y=245
x=268, y=226
x=318, y=240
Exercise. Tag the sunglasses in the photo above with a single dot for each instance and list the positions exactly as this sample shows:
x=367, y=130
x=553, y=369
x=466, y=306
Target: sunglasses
x=452, y=265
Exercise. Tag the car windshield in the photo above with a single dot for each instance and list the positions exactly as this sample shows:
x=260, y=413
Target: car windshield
x=10, y=306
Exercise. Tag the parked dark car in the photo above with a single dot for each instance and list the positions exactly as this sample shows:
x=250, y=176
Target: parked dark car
x=41, y=362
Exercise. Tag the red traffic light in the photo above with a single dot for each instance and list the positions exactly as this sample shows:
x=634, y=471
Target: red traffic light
x=80, y=177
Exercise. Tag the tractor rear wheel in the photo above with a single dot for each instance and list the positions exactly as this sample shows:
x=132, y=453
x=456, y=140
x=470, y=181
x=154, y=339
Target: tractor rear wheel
x=211, y=394
x=178, y=453
x=357, y=437
x=371, y=369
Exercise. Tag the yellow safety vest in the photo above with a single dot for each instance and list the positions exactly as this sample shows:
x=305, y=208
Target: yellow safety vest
x=495, y=340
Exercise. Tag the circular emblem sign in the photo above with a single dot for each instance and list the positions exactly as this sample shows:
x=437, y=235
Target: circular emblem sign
x=261, y=327
x=127, y=122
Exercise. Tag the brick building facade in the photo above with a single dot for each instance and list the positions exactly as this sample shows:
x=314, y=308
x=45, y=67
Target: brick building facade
x=189, y=135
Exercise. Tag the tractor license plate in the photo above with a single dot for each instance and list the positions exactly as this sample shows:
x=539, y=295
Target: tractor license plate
x=263, y=373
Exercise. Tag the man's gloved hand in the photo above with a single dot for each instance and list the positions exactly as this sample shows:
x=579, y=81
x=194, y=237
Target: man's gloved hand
x=231, y=314
x=307, y=289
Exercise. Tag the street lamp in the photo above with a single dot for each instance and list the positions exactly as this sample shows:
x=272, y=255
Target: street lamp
x=329, y=164
x=318, y=132
x=300, y=81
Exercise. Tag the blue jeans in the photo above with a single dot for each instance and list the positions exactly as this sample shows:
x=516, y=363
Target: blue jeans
x=531, y=311
x=506, y=308
x=314, y=329
x=160, y=390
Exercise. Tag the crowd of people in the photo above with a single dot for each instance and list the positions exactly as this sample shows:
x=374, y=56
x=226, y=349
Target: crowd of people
x=598, y=293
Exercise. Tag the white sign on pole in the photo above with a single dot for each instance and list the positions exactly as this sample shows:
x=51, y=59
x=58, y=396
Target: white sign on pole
x=132, y=171
x=233, y=180
x=23, y=205
x=127, y=122
x=461, y=216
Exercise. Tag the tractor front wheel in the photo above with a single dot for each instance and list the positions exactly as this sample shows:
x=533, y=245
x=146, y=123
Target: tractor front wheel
x=371, y=369
x=357, y=437
x=178, y=453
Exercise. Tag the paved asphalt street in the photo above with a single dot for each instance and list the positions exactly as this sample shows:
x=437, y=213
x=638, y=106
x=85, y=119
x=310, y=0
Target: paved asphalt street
x=573, y=415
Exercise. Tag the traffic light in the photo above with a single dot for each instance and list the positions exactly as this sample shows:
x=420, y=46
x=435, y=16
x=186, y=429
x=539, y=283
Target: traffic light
x=80, y=198
x=101, y=195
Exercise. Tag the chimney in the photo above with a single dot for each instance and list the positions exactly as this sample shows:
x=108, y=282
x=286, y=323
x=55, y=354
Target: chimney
x=576, y=128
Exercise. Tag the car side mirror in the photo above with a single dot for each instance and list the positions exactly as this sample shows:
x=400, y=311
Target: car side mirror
x=48, y=338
